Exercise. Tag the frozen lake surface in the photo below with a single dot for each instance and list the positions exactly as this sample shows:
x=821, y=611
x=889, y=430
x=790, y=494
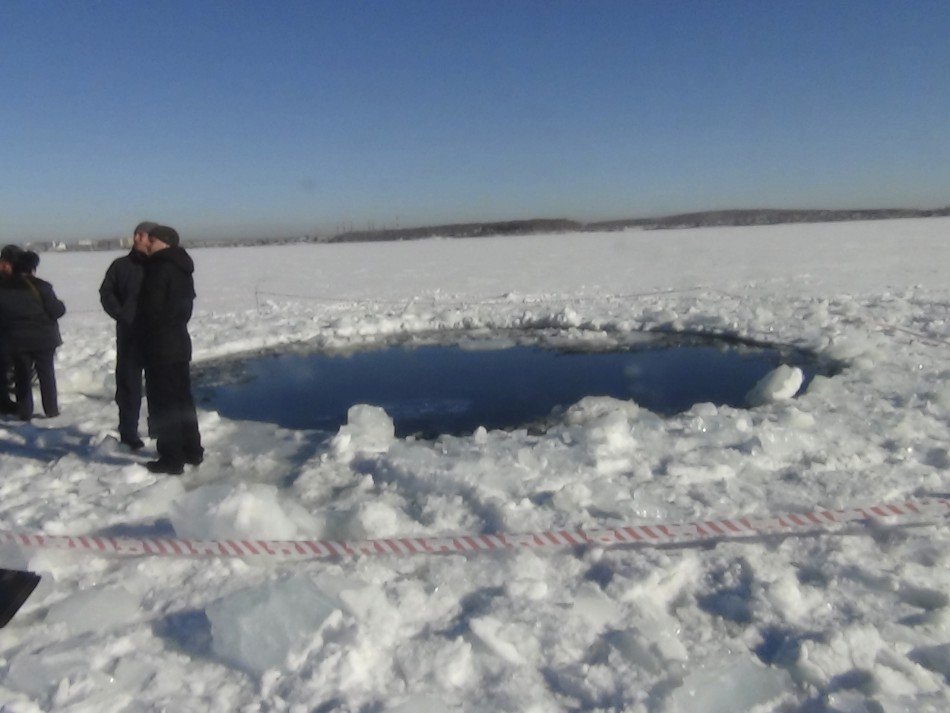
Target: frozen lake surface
x=856, y=620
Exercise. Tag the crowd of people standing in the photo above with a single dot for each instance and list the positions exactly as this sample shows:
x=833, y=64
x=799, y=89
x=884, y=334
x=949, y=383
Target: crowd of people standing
x=150, y=295
x=29, y=333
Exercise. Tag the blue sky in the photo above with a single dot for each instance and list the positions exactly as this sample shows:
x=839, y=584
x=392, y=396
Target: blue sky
x=283, y=118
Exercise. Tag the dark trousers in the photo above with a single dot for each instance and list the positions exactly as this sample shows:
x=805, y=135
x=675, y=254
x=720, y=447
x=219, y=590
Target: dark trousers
x=7, y=404
x=128, y=388
x=23, y=365
x=172, y=419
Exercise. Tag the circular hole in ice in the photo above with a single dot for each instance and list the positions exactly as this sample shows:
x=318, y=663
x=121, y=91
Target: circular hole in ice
x=452, y=384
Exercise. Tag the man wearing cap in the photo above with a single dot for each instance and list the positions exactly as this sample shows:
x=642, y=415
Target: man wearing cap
x=8, y=256
x=119, y=295
x=161, y=331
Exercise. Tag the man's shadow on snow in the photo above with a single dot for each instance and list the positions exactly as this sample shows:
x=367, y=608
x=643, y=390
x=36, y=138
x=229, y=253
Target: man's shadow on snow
x=24, y=439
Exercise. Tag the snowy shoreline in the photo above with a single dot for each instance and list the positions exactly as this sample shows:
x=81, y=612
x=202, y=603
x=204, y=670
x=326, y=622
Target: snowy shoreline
x=849, y=623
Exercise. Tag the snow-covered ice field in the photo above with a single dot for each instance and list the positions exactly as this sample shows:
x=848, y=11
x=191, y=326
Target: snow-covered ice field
x=855, y=621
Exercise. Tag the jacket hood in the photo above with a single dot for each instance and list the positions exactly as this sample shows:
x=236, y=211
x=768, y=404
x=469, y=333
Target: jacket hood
x=176, y=256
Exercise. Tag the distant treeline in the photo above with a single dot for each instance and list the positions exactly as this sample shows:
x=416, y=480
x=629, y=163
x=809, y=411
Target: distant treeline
x=463, y=230
x=709, y=218
x=684, y=220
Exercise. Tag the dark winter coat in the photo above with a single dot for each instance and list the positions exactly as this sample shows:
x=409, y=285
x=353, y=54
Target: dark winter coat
x=3, y=332
x=164, y=308
x=28, y=312
x=119, y=292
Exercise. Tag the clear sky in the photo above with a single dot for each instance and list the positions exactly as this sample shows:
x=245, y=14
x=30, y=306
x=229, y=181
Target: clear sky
x=265, y=119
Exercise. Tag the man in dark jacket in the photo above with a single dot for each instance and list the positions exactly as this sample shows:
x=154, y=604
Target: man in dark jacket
x=29, y=310
x=119, y=295
x=161, y=331
x=8, y=256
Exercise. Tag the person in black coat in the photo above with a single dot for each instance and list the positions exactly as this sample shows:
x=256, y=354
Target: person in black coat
x=119, y=295
x=7, y=405
x=165, y=304
x=29, y=310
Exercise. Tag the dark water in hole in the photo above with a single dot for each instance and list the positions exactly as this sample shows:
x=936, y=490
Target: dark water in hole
x=430, y=390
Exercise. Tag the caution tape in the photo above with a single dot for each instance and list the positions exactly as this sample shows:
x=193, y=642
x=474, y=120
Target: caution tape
x=657, y=534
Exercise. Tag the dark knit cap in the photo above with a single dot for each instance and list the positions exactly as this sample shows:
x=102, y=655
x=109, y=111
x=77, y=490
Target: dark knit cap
x=146, y=226
x=167, y=235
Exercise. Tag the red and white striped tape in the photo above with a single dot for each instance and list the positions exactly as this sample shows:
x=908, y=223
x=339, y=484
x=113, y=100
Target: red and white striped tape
x=648, y=535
